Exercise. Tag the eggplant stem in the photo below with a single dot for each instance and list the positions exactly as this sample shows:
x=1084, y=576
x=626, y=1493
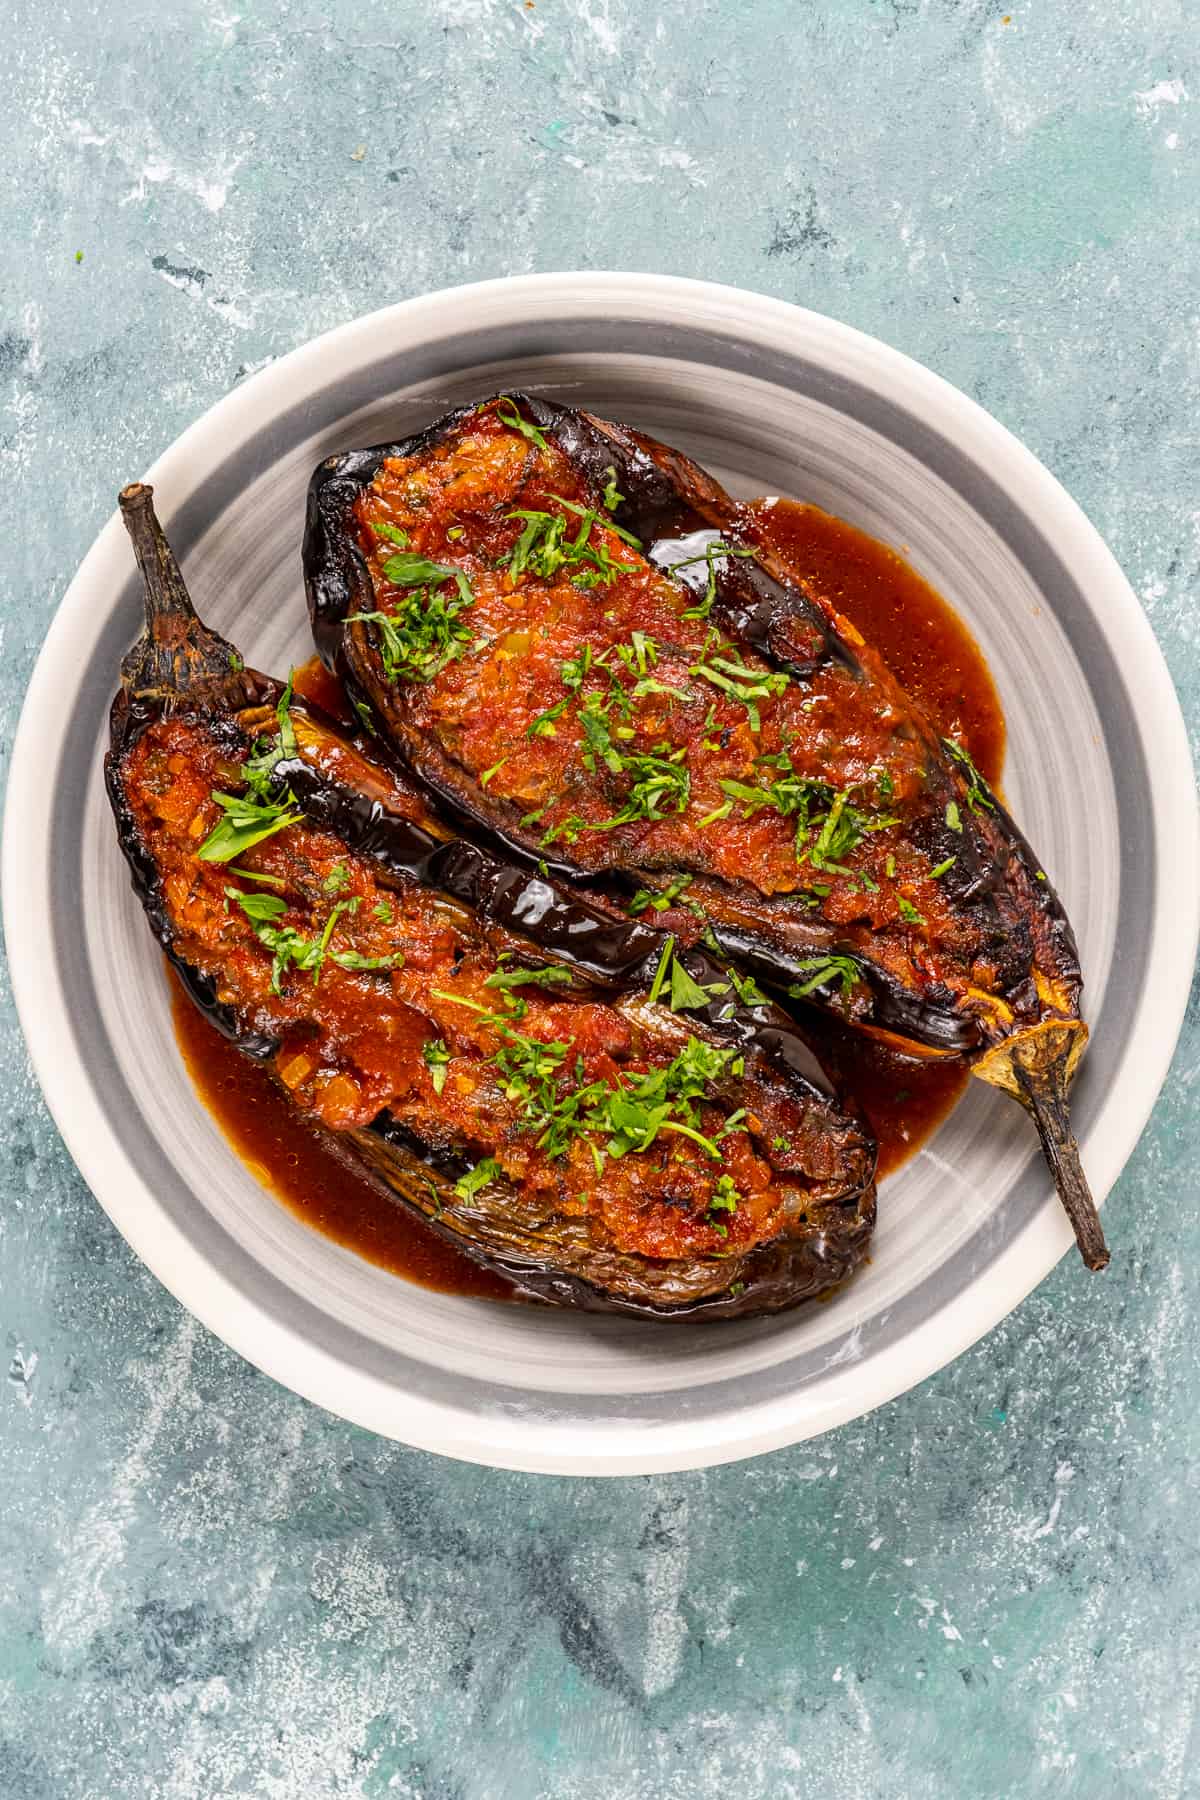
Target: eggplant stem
x=1036, y=1067
x=164, y=594
x=176, y=649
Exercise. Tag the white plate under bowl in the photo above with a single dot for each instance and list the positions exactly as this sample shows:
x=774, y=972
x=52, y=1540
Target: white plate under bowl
x=774, y=400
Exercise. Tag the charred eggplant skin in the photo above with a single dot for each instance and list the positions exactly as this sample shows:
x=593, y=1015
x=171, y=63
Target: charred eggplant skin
x=182, y=669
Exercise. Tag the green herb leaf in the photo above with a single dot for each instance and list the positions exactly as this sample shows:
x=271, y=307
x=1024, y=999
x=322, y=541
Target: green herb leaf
x=611, y=497
x=664, y=898
x=515, y=422
x=410, y=569
x=423, y=633
x=436, y=1058
x=481, y=1176
x=391, y=534
x=826, y=970
x=942, y=868
x=685, y=991
x=979, y=797
x=908, y=911
x=253, y=875
x=258, y=906
x=336, y=880
x=660, y=973
x=725, y=1196
x=715, y=556
x=247, y=822
x=352, y=959
x=543, y=725
x=747, y=989
x=553, y=976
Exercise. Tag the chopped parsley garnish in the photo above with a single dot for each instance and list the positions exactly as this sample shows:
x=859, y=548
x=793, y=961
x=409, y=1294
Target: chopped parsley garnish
x=515, y=422
x=683, y=991
x=747, y=989
x=425, y=630
x=259, y=907
x=290, y=949
x=235, y=662
x=664, y=898
x=728, y=671
x=391, y=534
x=410, y=569
x=366, y=715
x=725, y=1196
x=829, y=827
x=554, y=976
x=978, y=797
x=336, y=880
x=629, y=1115
x=543, y=725
x=481, y=1176
x=436, y=1058
x=953, y=816
x=254, y=816
x=576, y=670
x=661, y=784
x=253, y=875
x=611, y=498
x=826, y=970
x=383, y=910
x=909, y=912
x=248, y=821
x=715, y=554
x=543, y=547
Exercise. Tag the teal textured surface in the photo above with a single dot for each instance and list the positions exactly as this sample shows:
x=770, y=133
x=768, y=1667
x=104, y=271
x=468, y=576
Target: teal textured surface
x=987, y=1589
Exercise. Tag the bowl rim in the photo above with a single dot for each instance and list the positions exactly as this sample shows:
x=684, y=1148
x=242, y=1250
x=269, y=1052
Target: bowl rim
x=520, y=1440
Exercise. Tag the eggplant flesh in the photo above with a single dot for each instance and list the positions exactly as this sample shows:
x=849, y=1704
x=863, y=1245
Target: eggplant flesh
x=576, y=566
x=495, y=1052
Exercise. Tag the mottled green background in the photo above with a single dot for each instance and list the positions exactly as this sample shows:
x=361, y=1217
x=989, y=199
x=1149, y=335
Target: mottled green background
x=209, y=1588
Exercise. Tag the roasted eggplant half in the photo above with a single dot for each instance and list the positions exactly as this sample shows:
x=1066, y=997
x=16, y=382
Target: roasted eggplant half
x=611, y=1119
x=573, y=638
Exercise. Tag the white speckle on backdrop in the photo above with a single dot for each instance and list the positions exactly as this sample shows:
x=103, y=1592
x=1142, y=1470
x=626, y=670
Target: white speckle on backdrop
x=79, y=1599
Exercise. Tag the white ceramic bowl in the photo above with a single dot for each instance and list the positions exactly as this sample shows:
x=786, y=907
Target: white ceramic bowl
x=774, y=400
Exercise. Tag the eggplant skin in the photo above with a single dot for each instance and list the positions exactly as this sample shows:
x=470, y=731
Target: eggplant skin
x=185, y=675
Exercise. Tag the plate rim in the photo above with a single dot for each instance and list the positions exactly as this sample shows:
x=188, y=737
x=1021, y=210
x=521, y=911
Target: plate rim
x=505, y=1439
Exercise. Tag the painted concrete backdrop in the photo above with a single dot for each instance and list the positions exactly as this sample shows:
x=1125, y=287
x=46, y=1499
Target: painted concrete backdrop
x=209, y=1588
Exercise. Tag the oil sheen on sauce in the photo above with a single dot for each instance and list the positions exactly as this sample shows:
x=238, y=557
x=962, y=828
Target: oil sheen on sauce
x=933, y=656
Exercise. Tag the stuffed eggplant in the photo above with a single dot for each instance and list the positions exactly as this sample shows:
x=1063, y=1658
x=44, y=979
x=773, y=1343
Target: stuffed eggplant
x=613, y=1121
x=570, y=635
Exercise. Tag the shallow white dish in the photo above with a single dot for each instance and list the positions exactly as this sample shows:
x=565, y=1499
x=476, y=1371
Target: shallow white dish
x=774, y=400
